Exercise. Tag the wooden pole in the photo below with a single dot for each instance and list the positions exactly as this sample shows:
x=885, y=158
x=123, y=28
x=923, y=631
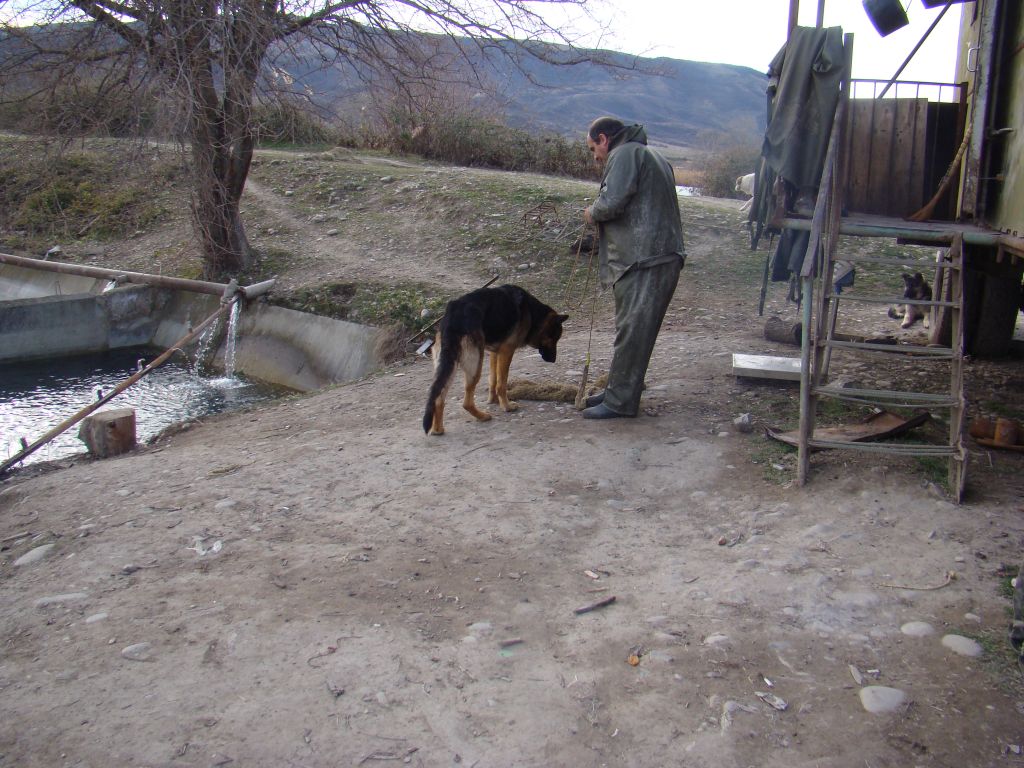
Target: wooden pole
x=68, y=423
x=913, y=53
x=197, y=286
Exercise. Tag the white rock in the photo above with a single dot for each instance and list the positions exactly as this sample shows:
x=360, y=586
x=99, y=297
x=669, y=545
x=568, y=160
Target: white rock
x=138, y=652
x=35, y=555
x=95, y=617
x=69, y=597
x=917, y=629
x=716, y=639
x=880, y=699
x=973, y=618
x=962, y=645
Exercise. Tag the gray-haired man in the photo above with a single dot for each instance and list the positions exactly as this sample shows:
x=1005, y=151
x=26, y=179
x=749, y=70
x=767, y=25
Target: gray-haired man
x=641, y=254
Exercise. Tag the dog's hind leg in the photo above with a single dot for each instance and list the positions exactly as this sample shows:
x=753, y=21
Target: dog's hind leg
x=492, y=379
x=436, y=415
x=501, y=360
x=437, y=425
x=472, y=361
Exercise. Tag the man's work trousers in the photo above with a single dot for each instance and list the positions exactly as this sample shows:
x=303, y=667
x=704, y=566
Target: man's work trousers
x=642, y=297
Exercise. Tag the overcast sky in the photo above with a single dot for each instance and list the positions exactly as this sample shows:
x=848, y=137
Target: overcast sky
x=750, y=33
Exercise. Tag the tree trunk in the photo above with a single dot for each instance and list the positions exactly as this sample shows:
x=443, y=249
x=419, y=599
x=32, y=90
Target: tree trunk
x=216, y=214
x=221, y=133
x=222, y=148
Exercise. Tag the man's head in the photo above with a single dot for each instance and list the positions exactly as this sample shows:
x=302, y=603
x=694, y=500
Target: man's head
x=600, y=136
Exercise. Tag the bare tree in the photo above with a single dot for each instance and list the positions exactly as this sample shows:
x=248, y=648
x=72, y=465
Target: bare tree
x=213, y=57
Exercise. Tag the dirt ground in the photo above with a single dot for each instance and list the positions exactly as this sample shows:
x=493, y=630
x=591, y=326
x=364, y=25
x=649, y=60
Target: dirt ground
x=317, y=583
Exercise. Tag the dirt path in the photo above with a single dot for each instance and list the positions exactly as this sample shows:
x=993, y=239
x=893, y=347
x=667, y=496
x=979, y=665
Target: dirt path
x=370, y=594
x=330, y=248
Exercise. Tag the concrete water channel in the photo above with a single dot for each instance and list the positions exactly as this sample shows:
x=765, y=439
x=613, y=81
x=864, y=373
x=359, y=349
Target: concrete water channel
x=53, y=312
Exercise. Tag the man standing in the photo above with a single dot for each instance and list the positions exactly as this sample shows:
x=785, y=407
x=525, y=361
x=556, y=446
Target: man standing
x=641, y=254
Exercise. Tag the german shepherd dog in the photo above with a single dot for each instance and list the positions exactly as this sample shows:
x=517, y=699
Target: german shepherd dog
x=500, y=320
x=914, y=287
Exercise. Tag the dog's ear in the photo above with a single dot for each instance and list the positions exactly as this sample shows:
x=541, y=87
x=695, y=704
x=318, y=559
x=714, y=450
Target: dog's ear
x=919, y=277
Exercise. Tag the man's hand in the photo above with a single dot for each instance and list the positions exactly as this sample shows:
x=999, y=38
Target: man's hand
x=586, y=217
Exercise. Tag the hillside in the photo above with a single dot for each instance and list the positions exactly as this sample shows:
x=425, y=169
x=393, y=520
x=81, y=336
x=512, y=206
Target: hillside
x=677, y=100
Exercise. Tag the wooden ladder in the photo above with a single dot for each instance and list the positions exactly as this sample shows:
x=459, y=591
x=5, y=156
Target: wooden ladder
x=944, y=309
x=820, y=304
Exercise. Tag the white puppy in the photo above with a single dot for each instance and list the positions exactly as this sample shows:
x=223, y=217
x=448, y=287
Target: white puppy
x=745, y=184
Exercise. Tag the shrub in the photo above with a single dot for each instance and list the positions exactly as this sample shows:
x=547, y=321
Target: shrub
x=77, y=109
x=462, y=130
x=74, y=194
x=287, y=123
x=719, y=169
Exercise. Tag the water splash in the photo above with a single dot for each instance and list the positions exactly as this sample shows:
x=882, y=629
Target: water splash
x=230, y=345
x=230, y=380
x=203, y=347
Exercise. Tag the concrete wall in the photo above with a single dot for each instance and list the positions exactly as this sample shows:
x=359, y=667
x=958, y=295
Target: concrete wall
x=300, y=350
x=275, y=345
x=23, y=283
x=52, y=327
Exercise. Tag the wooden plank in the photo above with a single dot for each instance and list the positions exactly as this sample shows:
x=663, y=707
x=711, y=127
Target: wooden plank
x=916, y=196
x=766, y=367
x=901, y=157
x=880, y=159
x=910, y=151
x=861, y=135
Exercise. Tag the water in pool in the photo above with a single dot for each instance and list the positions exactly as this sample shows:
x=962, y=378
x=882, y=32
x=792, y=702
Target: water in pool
x=37, y=396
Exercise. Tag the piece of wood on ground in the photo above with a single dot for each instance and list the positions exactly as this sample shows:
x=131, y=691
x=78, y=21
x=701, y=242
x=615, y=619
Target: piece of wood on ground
x=108, y=433
x=766, y=367
x=595, y=606
x=878, y=426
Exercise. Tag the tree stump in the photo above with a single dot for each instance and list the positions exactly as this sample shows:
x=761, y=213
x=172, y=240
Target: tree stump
x=108, y=433
x=777, y=329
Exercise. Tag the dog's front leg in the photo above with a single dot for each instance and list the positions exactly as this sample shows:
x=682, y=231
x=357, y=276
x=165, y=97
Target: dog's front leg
x=909, y=316
x=504, y=361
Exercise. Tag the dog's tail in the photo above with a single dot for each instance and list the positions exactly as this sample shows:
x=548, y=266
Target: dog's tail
x=447, y=357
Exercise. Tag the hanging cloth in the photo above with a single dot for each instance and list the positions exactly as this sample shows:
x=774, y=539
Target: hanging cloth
x=802, y=95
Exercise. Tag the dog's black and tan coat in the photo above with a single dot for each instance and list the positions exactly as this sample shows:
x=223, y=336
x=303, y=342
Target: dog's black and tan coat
x=499, y=320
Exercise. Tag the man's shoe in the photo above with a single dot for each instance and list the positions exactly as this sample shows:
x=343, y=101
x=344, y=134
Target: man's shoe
x=595, y=399
x=602, y=411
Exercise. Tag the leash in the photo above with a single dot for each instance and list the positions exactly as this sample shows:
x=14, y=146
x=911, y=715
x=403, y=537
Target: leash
x=572, y=275
x=434, y=322
x=581, y=393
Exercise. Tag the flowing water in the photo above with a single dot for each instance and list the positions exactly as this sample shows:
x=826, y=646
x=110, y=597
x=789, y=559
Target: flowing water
x=36, y=396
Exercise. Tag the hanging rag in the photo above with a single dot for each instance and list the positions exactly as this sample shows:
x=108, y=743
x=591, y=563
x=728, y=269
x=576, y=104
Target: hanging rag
x=802, y=96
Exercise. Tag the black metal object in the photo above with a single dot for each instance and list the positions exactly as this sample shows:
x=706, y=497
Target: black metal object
x=886, y=15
